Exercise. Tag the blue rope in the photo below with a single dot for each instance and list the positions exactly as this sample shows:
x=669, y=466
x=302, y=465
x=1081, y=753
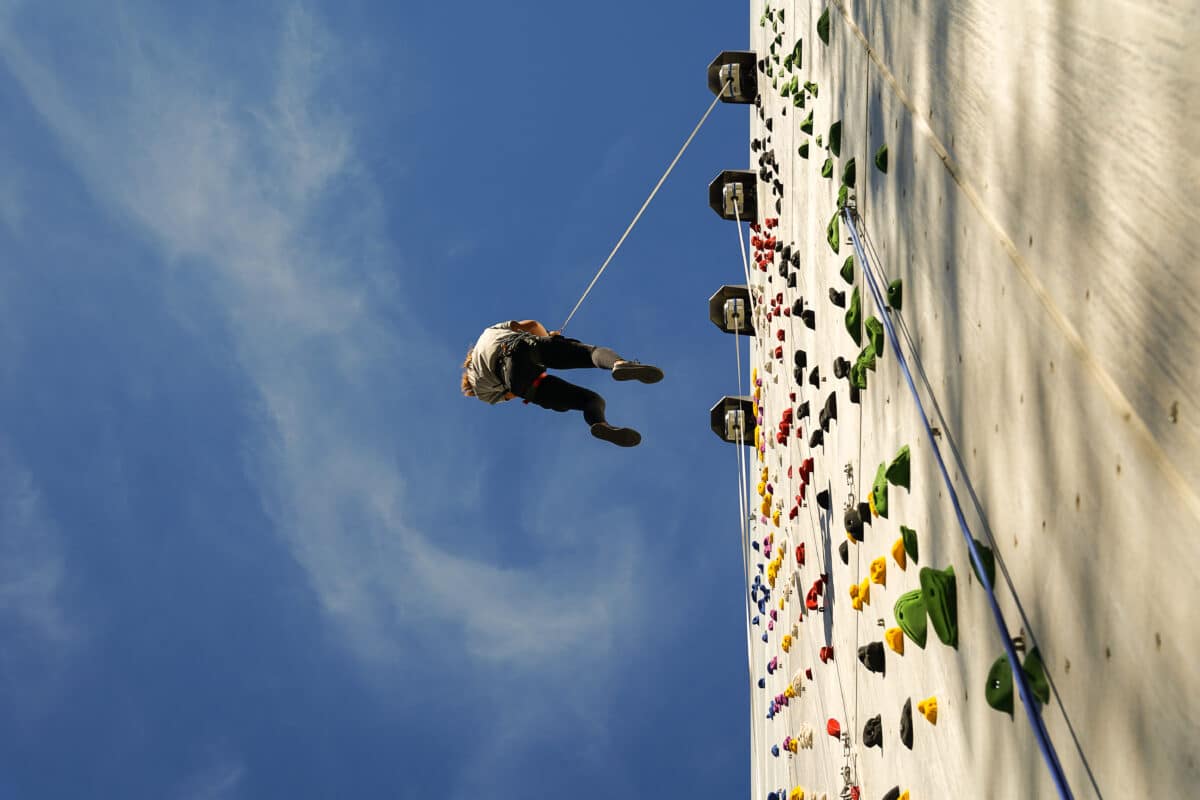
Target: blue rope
x=1032, y=709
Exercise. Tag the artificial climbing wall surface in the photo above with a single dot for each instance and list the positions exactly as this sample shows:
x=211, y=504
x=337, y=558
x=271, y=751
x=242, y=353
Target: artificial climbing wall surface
x=1041, y=207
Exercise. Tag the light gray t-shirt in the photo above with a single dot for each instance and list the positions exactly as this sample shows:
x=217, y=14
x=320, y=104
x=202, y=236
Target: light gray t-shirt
x=484, y=369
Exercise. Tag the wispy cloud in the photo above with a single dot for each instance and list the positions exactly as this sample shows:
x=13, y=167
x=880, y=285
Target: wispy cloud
x=261, y=187
x=220, y=781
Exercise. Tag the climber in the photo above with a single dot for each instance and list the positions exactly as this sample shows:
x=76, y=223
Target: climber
x=510, y=360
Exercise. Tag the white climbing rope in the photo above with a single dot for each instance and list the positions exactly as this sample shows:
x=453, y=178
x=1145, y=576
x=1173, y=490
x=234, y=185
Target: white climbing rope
x=641, y=210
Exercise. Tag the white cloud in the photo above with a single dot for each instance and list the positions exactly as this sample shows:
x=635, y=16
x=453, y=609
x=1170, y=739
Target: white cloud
x=220, y=781
x=273, y=203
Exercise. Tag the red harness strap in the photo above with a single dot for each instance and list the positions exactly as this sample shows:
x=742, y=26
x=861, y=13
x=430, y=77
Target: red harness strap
x=533, y=386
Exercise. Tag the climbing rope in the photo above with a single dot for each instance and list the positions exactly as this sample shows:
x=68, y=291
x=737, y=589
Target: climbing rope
x=641, y=210
x=1049, y=754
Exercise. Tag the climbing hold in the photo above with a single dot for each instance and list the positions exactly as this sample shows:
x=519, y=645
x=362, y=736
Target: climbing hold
x=875, y=334
x=989, y=562
x=814, y=377
x=786, y=643
x=999, y=687
x=848, y=270
x=928, y=709
x=827, y=168
x=843, y=197
x=864, y=591
x=810, y=319
x=800, y=554
x=803, y=150
x=910, y=542
x=775, y=748
x=881, y=159
x=906, y=731
x=897, y=471
x=762, y=683
x=854, y=524
x=911, y=616
x=879, y=492
x=873, y=732
x=802, y=413
x=895, y=640
x=871, y=656
x=858, y=378
x=807, y=125
x=854, y=316
x=823, y=26
x=833, y=728
x=835, y=138
x=849, y=174
x=893, y=794
x=814, y=90
x=826, y=653
x=941, y=603
x=837, y=298
x=895, y=294
x=898, y=554
x=796, y=794
x=841, y=367
x=879, y=571
x=829, y=413
x=800, y=358
x=844, y=552
x=866, y=359
x=833, y=233
x=817, y=438
x=823, y=499
x=1035, y=674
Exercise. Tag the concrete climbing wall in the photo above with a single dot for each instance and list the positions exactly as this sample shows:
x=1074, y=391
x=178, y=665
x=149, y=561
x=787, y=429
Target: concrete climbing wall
x=1041, y=206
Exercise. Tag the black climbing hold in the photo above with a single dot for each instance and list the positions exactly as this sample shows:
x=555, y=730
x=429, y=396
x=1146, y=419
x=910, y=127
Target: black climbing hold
x=756, y=145
x=769, y=123
x=802, y=411
x=835, y=138
x=938, y=590
x=841, y=367
x=906, y=729
x=873, y=732
x=895, y=294
x=893, y=794
x=762, y=65
x=831, y=407
x=848, y=269
x=849, y=174
x=853, y=523
x=797, y=307
x=810, y=318
x=837, y=298
x=800, y=359
x=864, y=511
x=854, y=394
x=844, y=551
x=796, y=259
x=911, y=616
x=785, y=250
x=817, y=438
x=798, y=375
x=881, y=159
x=871, y=656
x=814, y=377
x=791, y=281
x=823, y=499
x=779, y=206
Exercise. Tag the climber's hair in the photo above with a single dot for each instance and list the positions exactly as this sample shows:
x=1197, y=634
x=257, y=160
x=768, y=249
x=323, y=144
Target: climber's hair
x=467, y=389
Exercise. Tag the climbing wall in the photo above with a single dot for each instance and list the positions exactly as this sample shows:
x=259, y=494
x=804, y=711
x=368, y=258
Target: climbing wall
x=1023, y=179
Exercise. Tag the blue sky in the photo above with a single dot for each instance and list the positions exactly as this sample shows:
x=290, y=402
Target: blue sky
x=253, y=543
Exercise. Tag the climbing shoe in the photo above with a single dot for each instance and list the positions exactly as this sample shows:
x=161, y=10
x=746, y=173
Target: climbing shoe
x=636, y=371
x=622, y=437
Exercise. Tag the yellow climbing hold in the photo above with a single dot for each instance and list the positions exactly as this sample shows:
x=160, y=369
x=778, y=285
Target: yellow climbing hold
x=786, y=644
x=904, y=795
x=870, y=496
x=766, y=505
x=762, y=488
x=775, y=518
x=928, y=709
x=797, y=794
x=899, y=555
x=879, y=571
x=895, y=639
x=864, y=591
x=789, y=692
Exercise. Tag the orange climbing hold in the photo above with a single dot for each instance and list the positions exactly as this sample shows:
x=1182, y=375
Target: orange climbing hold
x=833, y=728
x=928, y=709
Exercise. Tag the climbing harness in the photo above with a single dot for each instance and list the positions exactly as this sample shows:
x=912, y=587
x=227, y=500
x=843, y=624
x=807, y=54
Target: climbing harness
x=641, y=210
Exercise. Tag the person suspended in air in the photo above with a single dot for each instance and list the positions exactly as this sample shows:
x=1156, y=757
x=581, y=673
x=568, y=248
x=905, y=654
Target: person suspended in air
x=510, y=360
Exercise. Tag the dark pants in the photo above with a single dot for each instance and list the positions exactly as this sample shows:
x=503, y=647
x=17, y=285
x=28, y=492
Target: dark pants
x=533, y=355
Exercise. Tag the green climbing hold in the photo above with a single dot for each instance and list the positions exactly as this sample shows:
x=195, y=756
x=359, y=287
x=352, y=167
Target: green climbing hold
x=910, y=543
x=823, y=26
x=895, y=294
x=843, y=196
x=1035, y=675
x=798, y=54
x=879, y=491
x=807, y=125
x=833, y=233
x=812, y=88
x=803, y=150
x=875, y=332
x=910, y=616
x=999, y=689
x=835, y=138
x=820, y=141
x=781, y=18
x=989, y=563
x=897, y=471
x=848, y=269
x=881, y=159
x=854, y=312
x=798, y=100
x=849, y=174
x=938, y=589
x=827, y=171
x=858, y=376
x=866, y=358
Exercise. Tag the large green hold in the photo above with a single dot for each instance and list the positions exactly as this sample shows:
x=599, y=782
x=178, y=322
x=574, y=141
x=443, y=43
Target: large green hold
x=999, y=689
x=849, y=173
x=807, y=124
x=1035, y=674
x=848, y=269
x=895, y=294
x=833, y=233
x=858, y=376
x=854, y=312
x=827, y=170
x=940, y=592
x=823, y=26
x=911, y=548
x=875, y=334
x=835, y=138
x=989, y=563
x=881, y=159
x=843, y=196
x=897, y=471
x=910, y=616
x=879, y=490
x=866, y=359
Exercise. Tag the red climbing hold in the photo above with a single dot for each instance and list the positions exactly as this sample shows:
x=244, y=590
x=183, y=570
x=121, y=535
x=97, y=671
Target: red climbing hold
x=855, y=793
x=771, y=222
x=833, y=728
x=808, y=674
x=780, y=334
x=810, y=600
x=826, y=654
x=800, y=554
